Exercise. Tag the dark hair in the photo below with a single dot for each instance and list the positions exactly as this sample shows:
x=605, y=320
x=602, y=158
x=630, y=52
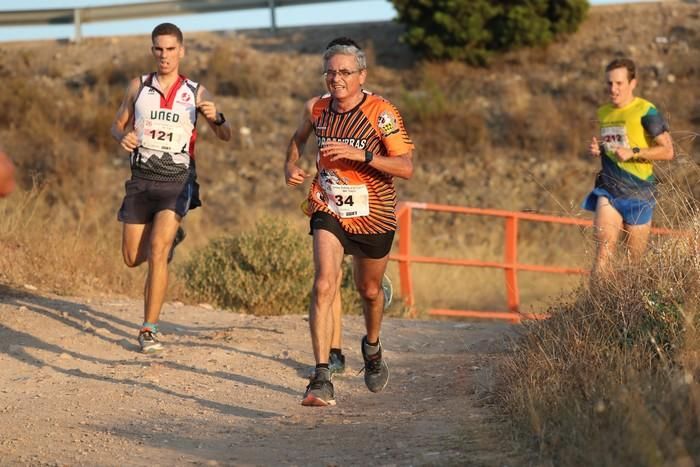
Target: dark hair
x=623, y=63
x=343, y=40
x=167, y=29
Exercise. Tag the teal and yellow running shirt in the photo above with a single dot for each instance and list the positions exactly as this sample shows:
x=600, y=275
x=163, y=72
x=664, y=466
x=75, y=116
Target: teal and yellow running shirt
x=634, y=125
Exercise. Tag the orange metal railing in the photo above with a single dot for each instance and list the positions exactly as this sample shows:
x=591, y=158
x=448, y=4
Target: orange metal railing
x=510, y=263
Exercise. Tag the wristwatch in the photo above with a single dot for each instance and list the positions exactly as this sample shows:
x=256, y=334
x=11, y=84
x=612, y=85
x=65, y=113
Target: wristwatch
x=220, y=119
x=368, y=157
x=635, y=151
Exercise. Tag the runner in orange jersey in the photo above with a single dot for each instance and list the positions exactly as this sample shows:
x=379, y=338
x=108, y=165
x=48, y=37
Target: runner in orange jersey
x=363, y=145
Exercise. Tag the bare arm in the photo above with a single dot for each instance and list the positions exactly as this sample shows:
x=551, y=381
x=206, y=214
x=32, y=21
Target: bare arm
x=207, y=107
x=293, y=174
x=661, y=151
x=123, y=125
x=398, y=166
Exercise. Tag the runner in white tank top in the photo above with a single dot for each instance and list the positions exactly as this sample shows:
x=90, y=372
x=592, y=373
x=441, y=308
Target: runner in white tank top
x=156, y=124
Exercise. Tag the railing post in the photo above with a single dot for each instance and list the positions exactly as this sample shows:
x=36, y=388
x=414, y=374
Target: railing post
x=404, y=220
x=77, y=24
x=511, y=258
x=273, y=18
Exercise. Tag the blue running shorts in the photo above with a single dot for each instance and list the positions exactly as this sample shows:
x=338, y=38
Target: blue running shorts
x=634, y=211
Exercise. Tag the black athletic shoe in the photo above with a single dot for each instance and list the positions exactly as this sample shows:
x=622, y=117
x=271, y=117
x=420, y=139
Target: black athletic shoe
x=179, y=237
x=376, y=369
x=336, y=363
x=319, y=393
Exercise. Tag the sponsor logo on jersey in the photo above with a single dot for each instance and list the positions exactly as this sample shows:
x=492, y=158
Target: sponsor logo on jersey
x=387, y=123
x=357, y=143
x=165, y=115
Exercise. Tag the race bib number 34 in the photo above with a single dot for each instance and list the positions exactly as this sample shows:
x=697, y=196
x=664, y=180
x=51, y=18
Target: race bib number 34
x=163, y=136
x=348, y=200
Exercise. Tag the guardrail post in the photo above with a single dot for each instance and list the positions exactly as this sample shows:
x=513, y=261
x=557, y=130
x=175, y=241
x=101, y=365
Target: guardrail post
x=511, y=260
x=404, y=219
x=273, y=19
x=78, y=26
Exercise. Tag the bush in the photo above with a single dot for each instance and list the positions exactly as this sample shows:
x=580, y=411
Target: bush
x=267, y=271
x=471, y=30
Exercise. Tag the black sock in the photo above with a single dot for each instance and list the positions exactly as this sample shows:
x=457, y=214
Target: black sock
x=322, y=365
x=372, y=344
x=337, y=352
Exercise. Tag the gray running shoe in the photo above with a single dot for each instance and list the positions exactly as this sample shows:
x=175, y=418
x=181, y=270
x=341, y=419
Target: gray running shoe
x=376, y=370
x=148, y=341
x=179, y=237
x=336, y=363
x=319, y=393
x=388, y=290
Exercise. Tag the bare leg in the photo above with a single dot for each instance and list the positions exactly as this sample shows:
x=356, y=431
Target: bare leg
x=607, y=225
x=336, y=336
x=637, y=239
x=163, y=231
x=328, y=257
x=368, y=279
x=135, y=239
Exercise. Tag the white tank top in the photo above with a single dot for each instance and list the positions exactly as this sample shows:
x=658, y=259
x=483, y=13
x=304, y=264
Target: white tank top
x=165, y=126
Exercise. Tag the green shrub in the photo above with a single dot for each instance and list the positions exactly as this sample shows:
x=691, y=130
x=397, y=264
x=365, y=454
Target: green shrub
x=266, y=271
x=471, y=30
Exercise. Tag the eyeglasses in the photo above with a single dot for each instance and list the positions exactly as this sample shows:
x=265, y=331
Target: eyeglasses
x=343, y=73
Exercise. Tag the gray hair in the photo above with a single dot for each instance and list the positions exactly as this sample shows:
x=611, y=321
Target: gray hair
x=346, y=50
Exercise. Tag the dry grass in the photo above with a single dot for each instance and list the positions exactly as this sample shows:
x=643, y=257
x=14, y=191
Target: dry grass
x=613, y=378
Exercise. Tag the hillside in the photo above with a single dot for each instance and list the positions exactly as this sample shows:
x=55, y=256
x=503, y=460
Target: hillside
x=510, y=136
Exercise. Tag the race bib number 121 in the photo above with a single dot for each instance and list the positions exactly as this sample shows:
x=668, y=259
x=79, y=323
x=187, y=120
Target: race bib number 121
x=163, y=136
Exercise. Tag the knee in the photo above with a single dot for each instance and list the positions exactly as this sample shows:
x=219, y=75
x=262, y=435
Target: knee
x=369, y=291
x=131, y=260
x=159, y=252
x=324, y=289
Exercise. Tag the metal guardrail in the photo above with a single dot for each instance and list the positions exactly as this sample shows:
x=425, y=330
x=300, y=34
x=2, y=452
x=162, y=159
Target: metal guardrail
x=78, y=16
x=510, y=264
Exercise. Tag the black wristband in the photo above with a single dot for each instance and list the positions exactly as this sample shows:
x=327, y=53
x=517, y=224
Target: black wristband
x=220, y=119
x=368, y=157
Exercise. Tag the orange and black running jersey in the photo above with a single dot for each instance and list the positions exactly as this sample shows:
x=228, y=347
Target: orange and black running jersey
x=361, y=197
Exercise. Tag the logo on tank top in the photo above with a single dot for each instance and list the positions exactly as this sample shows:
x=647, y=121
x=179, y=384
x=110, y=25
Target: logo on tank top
x=185, y=98
x=165, y=115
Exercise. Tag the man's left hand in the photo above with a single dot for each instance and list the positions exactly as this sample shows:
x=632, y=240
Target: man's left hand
x=624, y=154
x=336, y=150
x=208, y=109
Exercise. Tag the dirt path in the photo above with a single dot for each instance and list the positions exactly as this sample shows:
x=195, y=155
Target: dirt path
x=74, y=390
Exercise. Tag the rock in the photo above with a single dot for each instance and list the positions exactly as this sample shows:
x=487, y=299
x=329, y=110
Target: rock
x=30, y=287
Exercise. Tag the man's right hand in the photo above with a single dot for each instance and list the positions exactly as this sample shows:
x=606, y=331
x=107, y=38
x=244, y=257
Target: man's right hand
x=294, y=175
x=594, y=148
x=129, y=141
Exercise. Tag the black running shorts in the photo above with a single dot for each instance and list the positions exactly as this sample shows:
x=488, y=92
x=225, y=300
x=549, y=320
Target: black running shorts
x=363, y=245
x=145, y=198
